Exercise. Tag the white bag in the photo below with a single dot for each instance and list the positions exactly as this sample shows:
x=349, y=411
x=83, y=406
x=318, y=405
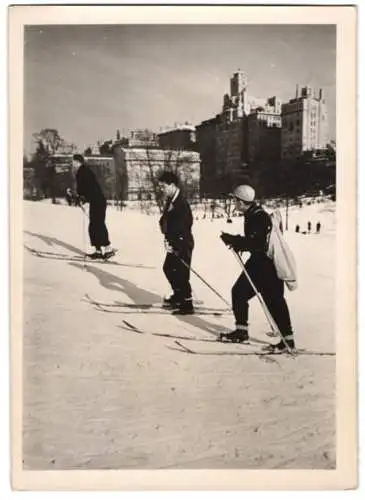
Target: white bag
x=282, y=256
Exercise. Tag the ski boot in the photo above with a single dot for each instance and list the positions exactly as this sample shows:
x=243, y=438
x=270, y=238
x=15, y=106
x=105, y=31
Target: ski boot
x=281, y=347
x=95, y=255
x=184, y=307
x=108, y=254
x=237, y=337
x=170, y=302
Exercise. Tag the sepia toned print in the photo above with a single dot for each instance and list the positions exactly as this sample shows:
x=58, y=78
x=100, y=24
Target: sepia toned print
x=181, y=221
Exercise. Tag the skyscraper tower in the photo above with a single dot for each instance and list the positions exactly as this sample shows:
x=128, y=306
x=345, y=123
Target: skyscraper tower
x=304, y=123
x=238, y=83
x=235, y=103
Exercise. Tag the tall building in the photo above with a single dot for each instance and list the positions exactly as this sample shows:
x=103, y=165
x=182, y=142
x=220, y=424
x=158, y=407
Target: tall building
x=231, y=149
x=231, y=131
x=250, y=137
x=264, y=132
x=223, y=141
x=206, y=139
x=264, y=145
x=249, y=131
x=234, y=102
x=304, y=123
x=238, y=104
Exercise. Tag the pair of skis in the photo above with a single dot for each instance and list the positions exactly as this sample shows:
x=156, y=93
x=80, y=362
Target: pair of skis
x=68, y=257
x=158, y=307
x=261, y=353
x=249, y=348
x=123, y=308
x=151, y=308
x=180, y=343
x=246, y=349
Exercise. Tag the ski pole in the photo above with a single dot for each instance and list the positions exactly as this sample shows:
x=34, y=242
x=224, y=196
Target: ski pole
x=270, y=319
x=204, y=281
x=84, y=232
x=274, y=327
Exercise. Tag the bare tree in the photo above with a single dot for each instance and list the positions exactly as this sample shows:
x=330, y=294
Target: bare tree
x=121, y=175
x=182, y=163
x=49, y=142
x=147, y=161
x=154, y=171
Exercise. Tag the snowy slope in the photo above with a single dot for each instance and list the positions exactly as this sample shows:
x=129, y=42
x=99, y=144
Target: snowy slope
x=99, y=395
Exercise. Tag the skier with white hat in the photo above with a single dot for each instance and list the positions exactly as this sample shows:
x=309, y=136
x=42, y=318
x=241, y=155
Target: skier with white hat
x=260, y=268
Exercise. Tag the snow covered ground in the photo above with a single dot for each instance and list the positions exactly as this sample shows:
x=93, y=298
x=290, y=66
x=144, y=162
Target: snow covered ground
x=100, y=395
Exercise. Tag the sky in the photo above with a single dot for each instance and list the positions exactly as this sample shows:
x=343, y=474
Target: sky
x=89, y=81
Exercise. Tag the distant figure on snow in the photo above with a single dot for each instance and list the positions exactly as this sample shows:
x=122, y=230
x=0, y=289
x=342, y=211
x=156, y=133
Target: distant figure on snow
x=213, y=207
x=309, y=226
x=318, y=227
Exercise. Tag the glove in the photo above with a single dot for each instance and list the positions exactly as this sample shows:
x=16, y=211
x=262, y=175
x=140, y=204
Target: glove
x=168, y=247
x=232, y=241
x=79, y=199
x=179, y=244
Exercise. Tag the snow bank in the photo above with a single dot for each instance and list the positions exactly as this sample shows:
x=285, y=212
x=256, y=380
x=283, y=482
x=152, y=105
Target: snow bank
x=99, y=395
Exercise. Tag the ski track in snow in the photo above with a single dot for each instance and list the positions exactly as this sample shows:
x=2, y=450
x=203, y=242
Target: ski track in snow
x=98, y=395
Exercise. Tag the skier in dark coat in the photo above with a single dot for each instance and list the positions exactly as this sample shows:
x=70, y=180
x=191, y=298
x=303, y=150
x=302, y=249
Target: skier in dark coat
x=260, y=268
x=89, y=191
x=175, y=224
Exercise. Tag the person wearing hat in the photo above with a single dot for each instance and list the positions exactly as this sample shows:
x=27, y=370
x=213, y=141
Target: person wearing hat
x=89, y=191
x=260, y=268
x=175, y=223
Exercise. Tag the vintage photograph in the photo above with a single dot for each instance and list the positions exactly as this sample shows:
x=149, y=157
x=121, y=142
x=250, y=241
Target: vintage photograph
x=179, y=208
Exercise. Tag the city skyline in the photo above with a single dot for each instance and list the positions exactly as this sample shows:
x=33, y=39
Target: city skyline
x=89, y=81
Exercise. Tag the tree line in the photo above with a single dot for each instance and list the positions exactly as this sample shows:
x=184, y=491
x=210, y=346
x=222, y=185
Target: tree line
x=306, y=174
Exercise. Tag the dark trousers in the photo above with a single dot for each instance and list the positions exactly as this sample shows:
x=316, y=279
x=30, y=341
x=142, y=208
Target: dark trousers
x=98, y=232
x=177, y=274
x=263, y=274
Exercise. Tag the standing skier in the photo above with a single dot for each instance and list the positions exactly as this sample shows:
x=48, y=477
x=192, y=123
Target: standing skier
x=175, y=223
x=260, y=268
x=89, y=191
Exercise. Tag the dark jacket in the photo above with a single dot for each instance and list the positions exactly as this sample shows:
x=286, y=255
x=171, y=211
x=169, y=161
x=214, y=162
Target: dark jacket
x=88, y=188
x=257, y=227
x=176, y=223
